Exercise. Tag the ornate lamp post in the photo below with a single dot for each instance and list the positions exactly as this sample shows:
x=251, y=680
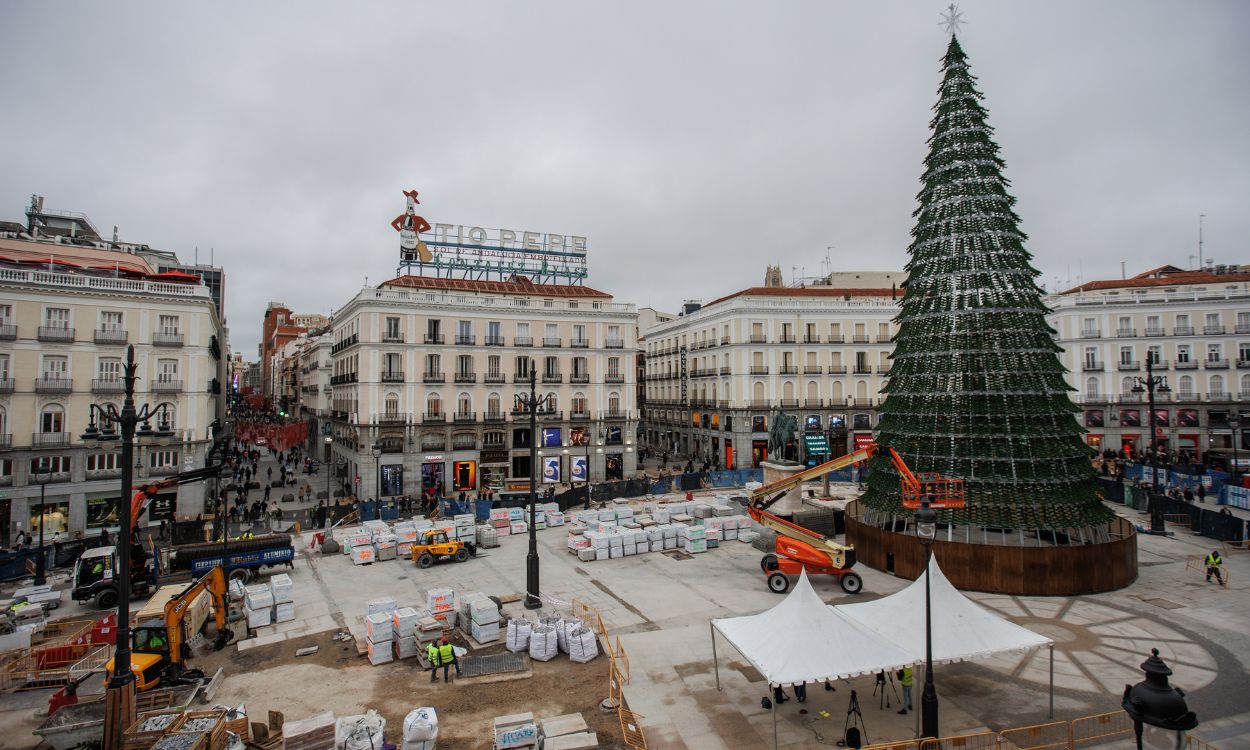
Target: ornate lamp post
x=329, y=466
x=926, y=530
x=42, y=475
x=377, y=460
x=1158, y=710
x=533, y=406
x=119, y=706
x=1150, y=385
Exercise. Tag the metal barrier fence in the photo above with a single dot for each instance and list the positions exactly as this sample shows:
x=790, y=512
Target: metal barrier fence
x=1083, y=732
x=618, y=674
x=631, y=730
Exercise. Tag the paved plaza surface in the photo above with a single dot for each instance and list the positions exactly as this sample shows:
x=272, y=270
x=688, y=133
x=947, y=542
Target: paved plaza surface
x=660, y=607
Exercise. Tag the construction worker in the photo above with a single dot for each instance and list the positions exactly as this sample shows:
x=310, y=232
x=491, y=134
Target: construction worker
x=447, y=657
x=1214, y=562
x=432, y=652
x=157, y=642
x=906, y=678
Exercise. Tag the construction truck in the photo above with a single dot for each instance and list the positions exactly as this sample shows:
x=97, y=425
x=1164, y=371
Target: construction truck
x=432, y=545
x=800, y=549
x=162, y=630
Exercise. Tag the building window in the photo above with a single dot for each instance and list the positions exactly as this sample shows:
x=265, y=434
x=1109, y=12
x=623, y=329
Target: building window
x=523, y=367
x=1214, y=352
x=1216, y=385
x=433, y=404
x=55, y=368
x=56, y=317
x=1091, y=388
x=492, y=365
x=1154, y=355
x=579, y=367
x=433, y=364
x=103, y=461
x=49, y=464
x=1243, y=352
x=492, y=406
x=392, y=329
x=464, y=365
x=1213, y=320
x=1126, y=355
x=168, y=324
x=392, y=405
x=1183, y=353
x=167, y=371
x=579, y=403
x=6, y=315
x=1091, y=357
x=1185, y=385
x=159, y=459
x=110, y=321
x=110, y=369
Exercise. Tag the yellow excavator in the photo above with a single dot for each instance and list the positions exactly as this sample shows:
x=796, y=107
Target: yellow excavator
x=798, y=548
x=163, y=627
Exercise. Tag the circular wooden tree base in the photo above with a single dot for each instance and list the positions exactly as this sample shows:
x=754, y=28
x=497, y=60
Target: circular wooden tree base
x=1003, y=569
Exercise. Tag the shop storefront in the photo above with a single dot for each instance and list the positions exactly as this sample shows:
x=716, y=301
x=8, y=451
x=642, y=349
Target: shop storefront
x=613, y=466
x=54, y=520
x=433, y=474
x=464, y=476
x=392, y=480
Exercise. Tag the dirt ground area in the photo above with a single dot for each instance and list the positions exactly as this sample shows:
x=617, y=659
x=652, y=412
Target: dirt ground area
x=336, y=678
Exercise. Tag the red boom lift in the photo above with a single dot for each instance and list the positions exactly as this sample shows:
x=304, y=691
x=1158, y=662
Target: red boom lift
x=798, y=548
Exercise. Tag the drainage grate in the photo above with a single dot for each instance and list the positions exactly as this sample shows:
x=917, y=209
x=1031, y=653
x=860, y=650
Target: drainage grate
x=477, y=666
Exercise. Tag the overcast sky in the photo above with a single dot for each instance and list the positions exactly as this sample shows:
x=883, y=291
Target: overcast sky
x=693, y=143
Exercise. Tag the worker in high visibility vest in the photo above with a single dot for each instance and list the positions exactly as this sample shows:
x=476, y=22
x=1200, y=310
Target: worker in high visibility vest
x=906, y=678
x=431, y=652
x=1214, y=562
x=447, y=658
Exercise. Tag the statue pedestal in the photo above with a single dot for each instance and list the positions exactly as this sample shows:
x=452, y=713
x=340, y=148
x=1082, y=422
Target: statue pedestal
x=775, y=471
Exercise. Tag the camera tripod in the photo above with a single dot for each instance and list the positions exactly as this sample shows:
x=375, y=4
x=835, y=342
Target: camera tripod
x=883, y=701
x=852, y=735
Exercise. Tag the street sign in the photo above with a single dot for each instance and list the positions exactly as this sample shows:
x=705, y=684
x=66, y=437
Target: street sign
x=816, y=444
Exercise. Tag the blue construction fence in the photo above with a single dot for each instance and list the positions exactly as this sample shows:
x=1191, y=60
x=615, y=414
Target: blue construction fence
x=1206, y=519
x=704, y=480
x=1219, y=490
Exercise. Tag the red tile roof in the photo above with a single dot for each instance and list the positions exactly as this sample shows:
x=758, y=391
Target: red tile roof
x=518, y=285
x=1161, y=277
x=808, y=291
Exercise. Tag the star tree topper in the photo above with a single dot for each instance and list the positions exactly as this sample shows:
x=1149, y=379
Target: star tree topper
x=951, y=19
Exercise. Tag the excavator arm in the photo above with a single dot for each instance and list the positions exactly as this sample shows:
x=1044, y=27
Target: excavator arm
x=176, y=609
x=145, y=494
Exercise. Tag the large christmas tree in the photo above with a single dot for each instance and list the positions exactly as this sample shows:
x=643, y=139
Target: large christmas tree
x=976, y=390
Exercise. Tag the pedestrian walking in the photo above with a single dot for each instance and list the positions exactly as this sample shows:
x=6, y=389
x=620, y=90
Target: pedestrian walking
x=1202, y=492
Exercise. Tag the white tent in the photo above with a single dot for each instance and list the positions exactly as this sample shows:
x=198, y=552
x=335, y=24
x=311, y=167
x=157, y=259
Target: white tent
x=962, y=629
x=803, y=640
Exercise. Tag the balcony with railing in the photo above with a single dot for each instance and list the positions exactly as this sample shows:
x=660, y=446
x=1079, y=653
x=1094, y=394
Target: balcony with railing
x=553, y=342
x=1126, y=333
x=522, y=340
x=861, y=338
x=787, y=339
x=1243, y=364
x=1160, y=332
x=494, y=341
x=614, y=414
x=1188, y=364
x=837, y=369
x=1219, y=396
x=463, y=376
x=1215, y=364
x=836, y=338
x=724, y=340
x=759, y=369
x=579, y=377
x=1128, y=365
x=434, y=417
x=520, y=377
x=1091, y=366
x=1182, y=396
x=434, y=338
x=54, y=385
x=56, y=334
x=1091, y=333
x=393, y=376
x=433, y=377
x=579, y=415
x=391, y=418
x=725, y=371
x=788, y=370
x=49, y=440
x=550, y=416
x=494, y=377
x=8, y=332
x=863, y=369
x=811, y=339
x=494, y=416
x=111, y=336
x=883, y=369
x=759, y=404
x=579, y=343
x=465, y=417
x=1243, y=328
x=7, y=385
x=552, y=377
x=165, y=338
x=1213, y=330
x=6, y=441
x=614, y=377
x=1243, y=396
x=758, y=338
x=886, y=339
x=465, y=339
x=1176, y=331
x=813, y=403
x=166, y=386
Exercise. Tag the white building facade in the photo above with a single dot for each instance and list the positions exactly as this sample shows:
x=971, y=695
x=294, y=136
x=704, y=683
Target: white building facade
x=425, y=374
x=1193, y=326
x=717, y=375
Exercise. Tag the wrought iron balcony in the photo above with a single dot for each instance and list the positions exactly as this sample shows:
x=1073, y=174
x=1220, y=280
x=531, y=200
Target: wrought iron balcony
x=465, y=417
x=465, y=339
x=1126, y=333
x=8, y=332
x=57, y=334
x=1128, y=366
x=393, y=376
x=166, y=386
x=7, y=385
x=54, y=385
x=166, y=339
x=109, y=336
x=434, y=338
x=466, y=377
x=433, y=377
x=579, y=344
x=494, y=341
x=579, y=378
x=434, y=417
x=759, y=369
x=494, y=377
x=392, y=338
x=1213, y=330
x=49, y=439
x=522, y=340
x=617, y=344
x=552, y=342
x=1215, y=364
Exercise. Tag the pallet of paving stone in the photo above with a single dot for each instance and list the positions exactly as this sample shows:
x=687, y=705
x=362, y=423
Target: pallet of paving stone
x=211, y=722
x=314, y=733
x=515, y=731
x=577, y=741
x=281, y=588
x=182, y=741
x=150, y=727
x=557, y=726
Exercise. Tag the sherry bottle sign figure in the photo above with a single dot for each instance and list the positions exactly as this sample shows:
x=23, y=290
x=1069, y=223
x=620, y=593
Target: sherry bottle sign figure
x=410, y=226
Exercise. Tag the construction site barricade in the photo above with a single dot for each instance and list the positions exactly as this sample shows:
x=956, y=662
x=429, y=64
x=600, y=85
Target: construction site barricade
x=976, y=741
x=631, y=730
x=1094, y=730
x=1054, y=734
x=900, y=745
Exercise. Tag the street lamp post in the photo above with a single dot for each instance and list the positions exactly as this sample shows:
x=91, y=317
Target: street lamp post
x=1234, y=423
x=329, y=467
x=43, y=475
x=534, y=406
x=926, y=529
x=119, y=705
x=377, y=460
x=1150, y=385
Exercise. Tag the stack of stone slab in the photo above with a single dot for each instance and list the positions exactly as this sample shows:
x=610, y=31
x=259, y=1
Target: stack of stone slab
x=283, y=597
x=516, y=731
x=465, y=528
x=380, y=630
x=483, y=621
x=385, y=546
x=314, y=733
x=567, y=732
x=441, y=604
x=404, y=626
x=405, y=534
x=258, y=605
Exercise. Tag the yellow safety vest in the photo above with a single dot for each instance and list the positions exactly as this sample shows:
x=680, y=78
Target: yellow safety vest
x=432, y=652
x=445, y=654
x=1214, y=561
x=909, y=677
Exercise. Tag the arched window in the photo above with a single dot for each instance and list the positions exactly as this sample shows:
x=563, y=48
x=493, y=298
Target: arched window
x=579, y=403
x=813, y=391
x=392, y=404
x=1091, y=388
x=52, y=419
x=1245, y=386
x=553, y=401
x=757, y=391
x=837, y=392
x=1126, y=386
x=1216, y=385
x=492, y=404
x=4, y=421
x=787, y=391
x=861, y=390
x=464, y=404
x=614, y=403
x=1185, y=384
x=434, y=404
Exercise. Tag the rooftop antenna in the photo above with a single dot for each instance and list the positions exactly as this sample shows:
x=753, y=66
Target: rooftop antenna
x=1200, y=218
x=1123, y=275
x=826, y=266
